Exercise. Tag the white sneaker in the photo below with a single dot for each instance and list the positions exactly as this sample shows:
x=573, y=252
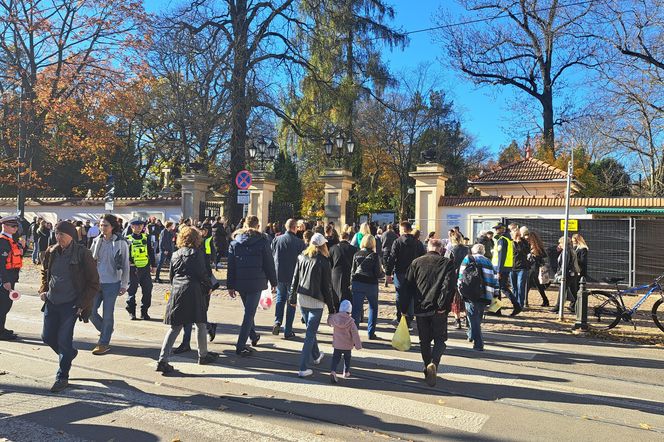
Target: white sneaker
x=305, y=373
x=320, y=358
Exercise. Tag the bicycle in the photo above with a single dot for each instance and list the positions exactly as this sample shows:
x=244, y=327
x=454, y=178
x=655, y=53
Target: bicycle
x=611, y=307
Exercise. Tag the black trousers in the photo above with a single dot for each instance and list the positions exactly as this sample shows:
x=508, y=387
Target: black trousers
x=5, y=306
x=140, y=276
x=432, y=329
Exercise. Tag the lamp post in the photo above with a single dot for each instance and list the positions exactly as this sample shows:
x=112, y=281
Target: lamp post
x=339, y=150
x=262, y=153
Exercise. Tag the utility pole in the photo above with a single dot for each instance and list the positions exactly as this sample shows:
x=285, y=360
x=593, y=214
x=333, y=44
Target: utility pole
x=566, y=251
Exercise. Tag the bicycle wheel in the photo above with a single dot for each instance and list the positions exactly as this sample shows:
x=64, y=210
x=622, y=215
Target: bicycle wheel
x=603, y=309
x=658, y=317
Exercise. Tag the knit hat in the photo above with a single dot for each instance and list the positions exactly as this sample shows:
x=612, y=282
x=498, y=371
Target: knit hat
x=67, y=228
x=346, y=307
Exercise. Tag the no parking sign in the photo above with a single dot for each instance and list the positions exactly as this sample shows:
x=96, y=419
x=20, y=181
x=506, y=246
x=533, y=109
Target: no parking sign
x=243, y=179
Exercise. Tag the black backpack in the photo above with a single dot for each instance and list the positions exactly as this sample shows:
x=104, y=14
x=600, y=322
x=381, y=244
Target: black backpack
x=472, y=281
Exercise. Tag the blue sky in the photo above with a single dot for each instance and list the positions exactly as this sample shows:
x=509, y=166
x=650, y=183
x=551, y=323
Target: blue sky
x=483, y=111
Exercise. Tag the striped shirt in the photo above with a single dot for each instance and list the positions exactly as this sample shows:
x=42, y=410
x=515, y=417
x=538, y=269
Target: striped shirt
x=490, y=281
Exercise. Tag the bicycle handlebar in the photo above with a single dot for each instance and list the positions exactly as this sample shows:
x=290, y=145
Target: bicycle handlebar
x=659, y=278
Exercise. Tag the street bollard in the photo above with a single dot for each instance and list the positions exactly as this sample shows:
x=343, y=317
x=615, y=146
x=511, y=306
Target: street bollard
x=581, y=307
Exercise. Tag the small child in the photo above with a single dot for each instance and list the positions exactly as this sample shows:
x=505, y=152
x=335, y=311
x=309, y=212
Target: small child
x=344, y=338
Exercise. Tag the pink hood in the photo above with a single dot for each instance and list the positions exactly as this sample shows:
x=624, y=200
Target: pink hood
x=345, y=335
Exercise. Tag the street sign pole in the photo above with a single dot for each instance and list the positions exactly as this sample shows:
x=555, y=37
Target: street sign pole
x=243, y=181
x=566, y=251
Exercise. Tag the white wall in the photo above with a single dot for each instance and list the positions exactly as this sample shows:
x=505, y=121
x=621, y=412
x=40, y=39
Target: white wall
x=55, y=213
x=448, y=217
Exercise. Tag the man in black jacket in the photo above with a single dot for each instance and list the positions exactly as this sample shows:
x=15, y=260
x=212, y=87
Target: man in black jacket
x=341, y=259
x=431, y=280
x=404, y=250
x=285, y=250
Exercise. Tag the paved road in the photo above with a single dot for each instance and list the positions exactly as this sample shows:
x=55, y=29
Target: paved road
x=527, y=386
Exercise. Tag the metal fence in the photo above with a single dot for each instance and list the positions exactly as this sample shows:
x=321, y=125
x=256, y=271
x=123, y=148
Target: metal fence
x=648, y=251
x=611, y=250
x=210, y=209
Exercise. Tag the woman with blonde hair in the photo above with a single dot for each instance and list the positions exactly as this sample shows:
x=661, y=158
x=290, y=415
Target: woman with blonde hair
x=187, y=303
x=357, y=239
x=581, y=250
x=365, y=273
x=312, y=290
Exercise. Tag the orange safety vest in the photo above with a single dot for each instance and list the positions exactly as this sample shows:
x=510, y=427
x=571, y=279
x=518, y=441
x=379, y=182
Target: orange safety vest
x=15, y=258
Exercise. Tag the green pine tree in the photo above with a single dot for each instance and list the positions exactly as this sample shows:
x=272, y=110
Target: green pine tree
x=289, y=189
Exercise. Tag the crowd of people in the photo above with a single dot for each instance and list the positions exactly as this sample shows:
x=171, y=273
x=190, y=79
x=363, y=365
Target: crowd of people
x=308, y=267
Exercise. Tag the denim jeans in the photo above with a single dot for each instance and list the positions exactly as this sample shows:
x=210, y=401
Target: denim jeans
x=162, y=259
x=250, y=301
x=519, y=281
x=35, y=252
x=283, y=291
x=363, y=290
x=474, y=312
x=108, y=294
x=336, y=358
x=399, y=278
x=312, y=317
x=58, y=333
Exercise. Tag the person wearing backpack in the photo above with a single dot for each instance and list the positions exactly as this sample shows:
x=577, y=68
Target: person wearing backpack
x=366, y=271
x=477, y=284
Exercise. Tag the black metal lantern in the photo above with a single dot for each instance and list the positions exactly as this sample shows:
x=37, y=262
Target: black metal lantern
x=340, y=150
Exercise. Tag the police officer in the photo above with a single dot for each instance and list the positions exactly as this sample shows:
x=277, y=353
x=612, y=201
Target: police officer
x=142, y=262
x=11, y=261
x=208, y=243
x=503, y=259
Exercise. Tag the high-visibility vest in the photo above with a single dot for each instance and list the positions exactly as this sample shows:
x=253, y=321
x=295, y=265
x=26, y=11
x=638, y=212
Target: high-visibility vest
x=509, y=254
x=208, y=246
x=139, y=250
x=15, y=258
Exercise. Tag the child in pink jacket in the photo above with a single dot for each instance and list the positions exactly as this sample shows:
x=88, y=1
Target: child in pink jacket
x=344, y=338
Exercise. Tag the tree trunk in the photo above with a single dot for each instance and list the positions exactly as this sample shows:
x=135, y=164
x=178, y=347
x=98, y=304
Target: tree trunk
x=547, y=119
x=239, y=109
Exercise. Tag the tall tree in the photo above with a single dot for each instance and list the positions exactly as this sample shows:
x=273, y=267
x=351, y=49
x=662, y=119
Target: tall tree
x=258, y=36
x=611, y=179
x=289, y=189
x=52, y=50
x=531, y=45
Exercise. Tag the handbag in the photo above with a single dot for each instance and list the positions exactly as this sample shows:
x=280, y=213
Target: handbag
x=544, y=275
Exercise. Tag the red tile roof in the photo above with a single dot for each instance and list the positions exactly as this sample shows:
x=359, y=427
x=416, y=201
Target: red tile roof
x=526, y=170
x=544, y=201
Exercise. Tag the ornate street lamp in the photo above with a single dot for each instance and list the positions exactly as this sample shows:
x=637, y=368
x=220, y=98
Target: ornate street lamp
x=344, y=149
x=262, y=154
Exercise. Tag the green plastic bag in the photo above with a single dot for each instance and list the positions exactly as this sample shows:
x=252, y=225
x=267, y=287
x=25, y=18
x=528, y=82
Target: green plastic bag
x=401, y=338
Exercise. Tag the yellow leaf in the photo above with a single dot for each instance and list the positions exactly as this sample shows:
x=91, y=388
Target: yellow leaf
x=645, y=426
